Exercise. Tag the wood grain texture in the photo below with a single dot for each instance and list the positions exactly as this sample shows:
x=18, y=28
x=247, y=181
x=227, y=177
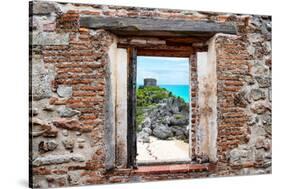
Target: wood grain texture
x=131, y=108
x=156, y=27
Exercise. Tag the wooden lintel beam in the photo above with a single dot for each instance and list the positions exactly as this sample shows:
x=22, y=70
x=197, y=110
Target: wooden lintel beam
x=185, y=40
x=155, y=47
x=156, y=27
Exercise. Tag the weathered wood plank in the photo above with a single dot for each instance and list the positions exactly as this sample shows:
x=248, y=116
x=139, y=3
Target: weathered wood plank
x=131, y=108
x=156, y=47
x=185, y=40
x=156, y=27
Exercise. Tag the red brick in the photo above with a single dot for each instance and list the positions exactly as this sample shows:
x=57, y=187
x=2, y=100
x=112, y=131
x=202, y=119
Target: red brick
x=86, y=30
x=90, y=12
x=87, y=117
x=41, y=171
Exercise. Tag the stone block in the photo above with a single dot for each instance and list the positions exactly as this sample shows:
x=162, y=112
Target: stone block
x=44, y=8
x=68, y=143
x=50, y=38
x=68, y=112
x=236, y=154
x=264, y=82
x=47, y=146
x=260, y=108
x=52, y=145
x=257, y=94
x=69, y=124
x=64, y=91
x=73, y=178
x=266, y=119
x=41, y=85
x=57, y=159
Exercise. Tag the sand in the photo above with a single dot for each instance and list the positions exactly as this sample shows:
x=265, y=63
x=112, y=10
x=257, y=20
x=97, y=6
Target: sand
x=162, y=151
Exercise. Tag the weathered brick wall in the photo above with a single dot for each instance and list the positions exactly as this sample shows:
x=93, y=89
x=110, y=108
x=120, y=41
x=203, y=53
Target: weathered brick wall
x=69, y=67
x=232, y=67
x=244, y=94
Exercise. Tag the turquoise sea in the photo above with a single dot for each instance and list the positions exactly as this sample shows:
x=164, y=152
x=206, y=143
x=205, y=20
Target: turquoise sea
x=179, y=90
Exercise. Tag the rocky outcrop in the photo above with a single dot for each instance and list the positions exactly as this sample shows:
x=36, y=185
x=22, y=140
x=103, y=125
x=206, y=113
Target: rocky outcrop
x=165, y=120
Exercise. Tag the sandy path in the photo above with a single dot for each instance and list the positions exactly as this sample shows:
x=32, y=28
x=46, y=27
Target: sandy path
x=162, y=151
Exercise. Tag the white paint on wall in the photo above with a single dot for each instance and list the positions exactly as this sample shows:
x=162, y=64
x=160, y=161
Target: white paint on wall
x=121, y=106
x=118, y=65
x=213, y=127
x=202, y=133
x=207, y=103
x=109, y=138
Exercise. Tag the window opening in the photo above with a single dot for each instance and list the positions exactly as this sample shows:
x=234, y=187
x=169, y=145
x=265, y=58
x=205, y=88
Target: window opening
x=162, y=110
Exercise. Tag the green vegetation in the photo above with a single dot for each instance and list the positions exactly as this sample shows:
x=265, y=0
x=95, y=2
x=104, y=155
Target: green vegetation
x=151, y=95
x=139, y=117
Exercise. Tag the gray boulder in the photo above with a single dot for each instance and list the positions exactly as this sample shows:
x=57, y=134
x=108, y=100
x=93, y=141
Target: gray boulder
x=179, y=119
x=146, y=123
x=162, y=132
x=143, y=137
x=147, y=130
x=168, y=118
x=180, y=132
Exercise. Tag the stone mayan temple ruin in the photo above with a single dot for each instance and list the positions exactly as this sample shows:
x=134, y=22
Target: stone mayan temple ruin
x=150, y=82
x=83, y=91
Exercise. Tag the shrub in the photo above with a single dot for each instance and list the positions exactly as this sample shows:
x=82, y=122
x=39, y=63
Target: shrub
x=151, y=95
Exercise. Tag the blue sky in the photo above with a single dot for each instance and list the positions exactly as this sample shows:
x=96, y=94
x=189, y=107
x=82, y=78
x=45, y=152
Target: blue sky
x=167, y=70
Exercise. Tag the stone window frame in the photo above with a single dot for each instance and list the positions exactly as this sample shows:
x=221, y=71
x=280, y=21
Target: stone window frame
x=201, y=143
x=123, y=55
